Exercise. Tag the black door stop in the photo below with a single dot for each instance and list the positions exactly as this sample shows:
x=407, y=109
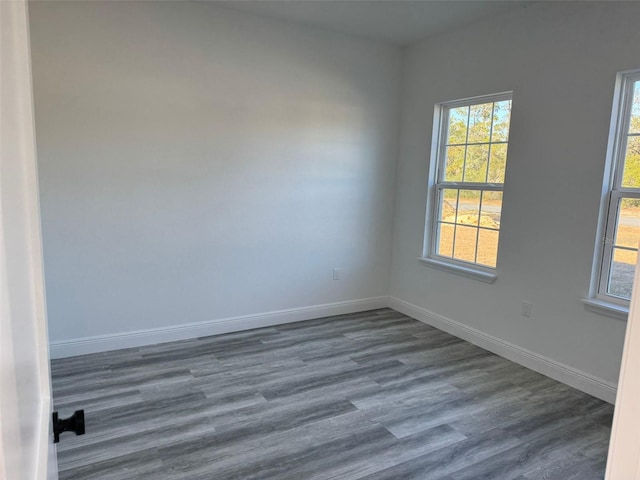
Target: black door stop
x=75, y=423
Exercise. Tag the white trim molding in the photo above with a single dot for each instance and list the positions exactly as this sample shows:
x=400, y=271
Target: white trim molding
x=138, y=338
x=558, y=371
x=551, y=368
x=469, y=272
x=608, y=309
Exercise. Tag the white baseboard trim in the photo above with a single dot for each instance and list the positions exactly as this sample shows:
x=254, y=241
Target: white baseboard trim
x=563, y=373
x=138, y=338
x=558, y=371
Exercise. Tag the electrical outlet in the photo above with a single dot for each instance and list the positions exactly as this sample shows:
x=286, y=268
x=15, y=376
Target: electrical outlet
x=526, y=309
x=336, y=274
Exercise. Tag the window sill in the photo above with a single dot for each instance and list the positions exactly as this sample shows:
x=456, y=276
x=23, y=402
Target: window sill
x=606, y=308
x=468, y=272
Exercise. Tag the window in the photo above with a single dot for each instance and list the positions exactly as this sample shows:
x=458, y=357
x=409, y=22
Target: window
x=620, y=218
x=470, y=148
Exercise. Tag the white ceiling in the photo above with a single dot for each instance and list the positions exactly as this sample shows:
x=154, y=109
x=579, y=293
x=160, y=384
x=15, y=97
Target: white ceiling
x=399, y=22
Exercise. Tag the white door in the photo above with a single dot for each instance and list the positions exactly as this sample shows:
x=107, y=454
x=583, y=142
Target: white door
x=624, y=448
x=26, y=447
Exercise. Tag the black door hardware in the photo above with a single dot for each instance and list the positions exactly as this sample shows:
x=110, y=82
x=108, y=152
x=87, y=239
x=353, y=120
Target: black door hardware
x=75, y=423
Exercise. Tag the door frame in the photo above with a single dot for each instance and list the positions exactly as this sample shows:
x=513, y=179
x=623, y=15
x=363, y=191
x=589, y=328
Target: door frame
x=25, y=383
x=623, y=461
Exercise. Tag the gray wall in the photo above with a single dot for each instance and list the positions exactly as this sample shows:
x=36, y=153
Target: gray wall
x=560, y=60
x=197, y=163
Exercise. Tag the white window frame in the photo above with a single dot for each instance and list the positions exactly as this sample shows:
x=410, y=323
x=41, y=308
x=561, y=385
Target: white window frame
x=612, y=192
x=436, y=183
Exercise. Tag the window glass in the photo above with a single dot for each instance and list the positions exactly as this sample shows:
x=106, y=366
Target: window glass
x=619, y=252
x=471, y=173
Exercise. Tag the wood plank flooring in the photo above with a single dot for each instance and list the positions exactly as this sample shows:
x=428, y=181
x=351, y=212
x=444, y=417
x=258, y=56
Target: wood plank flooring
x=373, y=395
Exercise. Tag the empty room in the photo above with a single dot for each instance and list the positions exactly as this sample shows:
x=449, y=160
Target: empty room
x=319, y=240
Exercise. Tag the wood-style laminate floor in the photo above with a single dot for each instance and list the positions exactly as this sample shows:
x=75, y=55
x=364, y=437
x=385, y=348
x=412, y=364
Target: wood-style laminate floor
x=372, y=395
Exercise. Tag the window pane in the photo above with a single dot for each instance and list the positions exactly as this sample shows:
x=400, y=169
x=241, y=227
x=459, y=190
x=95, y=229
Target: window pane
x=491, y=209
x=480, y=122
x=475, y=169
x=621, y=275
x=501, y=119
x=469, y=207
x=631, y=176
x=487, y=247
x=497, y=163
x=448, y=205
x=454, y=164
x=475, y=153
x=465, y=245
x=457, y=133
x=628, y=225
x=634, y=125
x=445, y=241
